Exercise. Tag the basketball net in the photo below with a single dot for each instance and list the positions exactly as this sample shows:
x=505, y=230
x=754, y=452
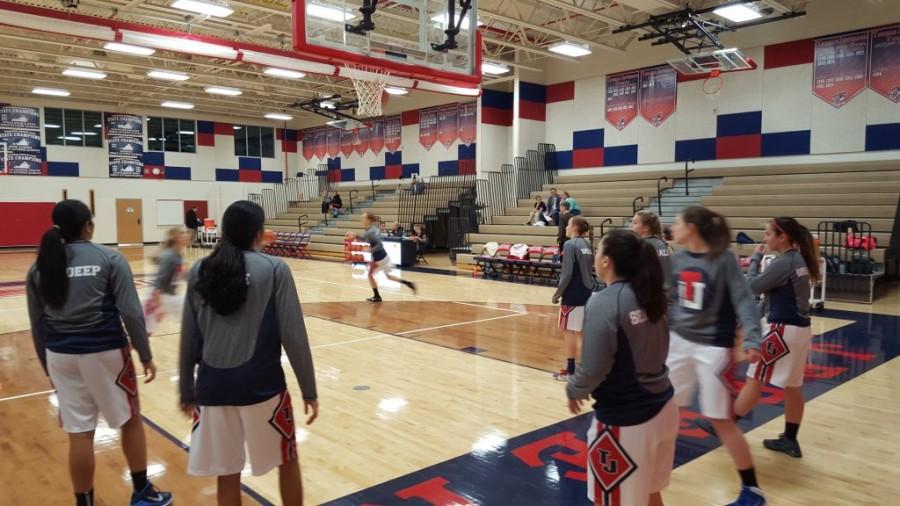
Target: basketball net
x=369, y=85
x=712, y=85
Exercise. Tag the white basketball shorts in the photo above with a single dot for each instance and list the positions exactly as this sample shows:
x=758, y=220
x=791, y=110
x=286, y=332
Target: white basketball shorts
x=220, y=434
x=628, y=464
x=571, y=318
x=92, y=384
x=692, y=365
x=383, y=265
x=784, y=353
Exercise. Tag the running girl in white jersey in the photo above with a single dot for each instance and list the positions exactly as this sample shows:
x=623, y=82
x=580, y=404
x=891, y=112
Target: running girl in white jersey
x=708, y=299
x=85, y=317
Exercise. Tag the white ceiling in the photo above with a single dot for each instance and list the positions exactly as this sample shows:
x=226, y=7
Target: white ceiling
x=516, y=32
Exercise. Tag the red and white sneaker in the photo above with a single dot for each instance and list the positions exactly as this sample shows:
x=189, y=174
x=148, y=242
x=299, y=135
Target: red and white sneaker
x=562, y=375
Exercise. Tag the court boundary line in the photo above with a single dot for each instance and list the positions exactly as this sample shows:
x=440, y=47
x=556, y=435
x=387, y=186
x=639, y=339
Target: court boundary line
x=459, y=324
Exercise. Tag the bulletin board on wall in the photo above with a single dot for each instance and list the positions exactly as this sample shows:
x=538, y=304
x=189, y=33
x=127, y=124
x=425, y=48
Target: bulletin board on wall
x=169, y=212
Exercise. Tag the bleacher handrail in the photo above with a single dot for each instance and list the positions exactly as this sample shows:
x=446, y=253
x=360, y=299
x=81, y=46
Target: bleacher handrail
x=659, y=193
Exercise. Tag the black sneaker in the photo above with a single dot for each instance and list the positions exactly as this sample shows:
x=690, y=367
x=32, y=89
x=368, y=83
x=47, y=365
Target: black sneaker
x=412, y=286
x=707, y=427
x=784, y=445
x=375, y=298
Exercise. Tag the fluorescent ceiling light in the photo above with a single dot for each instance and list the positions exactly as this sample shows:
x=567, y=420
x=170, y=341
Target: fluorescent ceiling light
x=327, y=104
x=50, y=91
x=737, y=13
x=179, y=44
x=569, y=49
x=236, y=127
x=394, y=90
x=177, y=105
x=185, y=132
x=203, y=7
x=84, y=133
x=444, y=20
x=128, y=48
x=219, y=90
x=327, y=12
x=167, y=75
x=50, y=125
x=86, y=74
x=70, y=138
x=98, y=125
x=290, y=74
x=494, y=69
x=279, y=116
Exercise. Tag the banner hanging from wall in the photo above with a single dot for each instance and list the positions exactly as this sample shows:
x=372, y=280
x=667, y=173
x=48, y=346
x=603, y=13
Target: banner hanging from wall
x=428, y=125
x=20, y=131
x=622, y=98
x=362, y=141
x=333, y=141
x=125, y=133
x=658, y=94
x=448, y=124
x=393, y=133
x=309, y=144
x=839, y=68
x=884, y=67
x=376, y=135
x=347, y=142
x=467, y=122
x=320, y=147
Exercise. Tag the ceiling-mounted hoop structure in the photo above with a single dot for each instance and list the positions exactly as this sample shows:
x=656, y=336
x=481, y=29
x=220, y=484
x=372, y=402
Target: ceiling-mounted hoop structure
x=369, y=85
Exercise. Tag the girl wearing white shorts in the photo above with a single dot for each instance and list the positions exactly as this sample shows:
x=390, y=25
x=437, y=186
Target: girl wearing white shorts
x=240, y=310
x=576, y=283
x=164, y=301
x=785, y=347
x=79, y=296
x=631, y=442
x=708, y=299
x=380, y=261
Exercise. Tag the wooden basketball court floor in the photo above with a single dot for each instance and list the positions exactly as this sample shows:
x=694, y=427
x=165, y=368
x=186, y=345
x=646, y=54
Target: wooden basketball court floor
x=446, y=398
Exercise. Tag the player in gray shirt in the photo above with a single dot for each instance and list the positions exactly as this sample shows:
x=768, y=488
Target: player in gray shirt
x=709, y=297
x=576, y=283
x=84, y=310
x=623, y=367
x=646, y=224
x=240, y=311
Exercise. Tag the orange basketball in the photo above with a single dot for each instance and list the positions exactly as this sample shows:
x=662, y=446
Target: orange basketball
x=268, y=237
x=350, y=236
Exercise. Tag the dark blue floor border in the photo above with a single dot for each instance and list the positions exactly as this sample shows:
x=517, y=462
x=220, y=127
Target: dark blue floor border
x=179, y=443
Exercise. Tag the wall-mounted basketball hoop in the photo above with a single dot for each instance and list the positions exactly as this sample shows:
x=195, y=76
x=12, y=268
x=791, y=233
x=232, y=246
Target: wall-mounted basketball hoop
x=369, y=86
x=713, y=83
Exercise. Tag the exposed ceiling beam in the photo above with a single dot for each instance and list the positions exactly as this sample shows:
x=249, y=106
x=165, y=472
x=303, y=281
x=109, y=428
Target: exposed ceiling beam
x=569, y=7
x=548, y=31
x=534, y=50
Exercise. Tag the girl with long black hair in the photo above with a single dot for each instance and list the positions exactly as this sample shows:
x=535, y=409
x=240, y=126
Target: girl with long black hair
x=241, y=309
x=623, y=367
x=708, y=299
x=85, y=315
x=785, y=284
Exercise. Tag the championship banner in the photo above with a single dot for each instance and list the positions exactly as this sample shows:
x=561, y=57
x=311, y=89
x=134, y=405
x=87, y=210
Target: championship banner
x=658, y=95
x=839, y=69
x=884, y=69
x=309, y=147
x=392, y=133
x=467, y=122
x=428, y=124
x=333, y=141
x=347, y=142
x=126, y=145
x=16, y=117
x=448, y=124
x=319, y=147
x=376, y=136
x=622, y=98
x=362, y=141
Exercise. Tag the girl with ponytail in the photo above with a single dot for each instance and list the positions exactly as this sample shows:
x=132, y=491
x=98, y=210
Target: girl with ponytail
x=785, y=285
x=85, y=315
x=623, y=367
x=240, y=310
x=164, y=300
x=576, y=283
x=380, y=261
x=646, y=224
x=709, y=298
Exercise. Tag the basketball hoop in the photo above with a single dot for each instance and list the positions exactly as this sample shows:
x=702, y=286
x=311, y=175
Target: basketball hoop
x=369, y=85
x=713, y=84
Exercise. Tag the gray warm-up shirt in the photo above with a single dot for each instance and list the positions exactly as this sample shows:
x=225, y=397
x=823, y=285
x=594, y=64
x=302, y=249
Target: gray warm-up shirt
x=101, y=298
x=665, y=258
x=169, y=267
x=623, y=359
x=785, y=283
x=373, y=237
x=709, y=296
x=576, y=280
x=239, y=355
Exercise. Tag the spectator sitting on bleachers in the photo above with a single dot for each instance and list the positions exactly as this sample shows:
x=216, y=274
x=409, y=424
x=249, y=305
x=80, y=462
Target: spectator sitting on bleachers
x=396, y=230
x=553, y=202
x=336, y=204
x=573, y=205
x=416, y=187
x=564, y=217
x=537, y=212
x=418, y=234
x=326, y=203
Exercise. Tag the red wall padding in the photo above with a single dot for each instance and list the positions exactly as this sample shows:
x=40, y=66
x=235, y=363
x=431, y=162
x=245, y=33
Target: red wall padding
x=24, y=222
